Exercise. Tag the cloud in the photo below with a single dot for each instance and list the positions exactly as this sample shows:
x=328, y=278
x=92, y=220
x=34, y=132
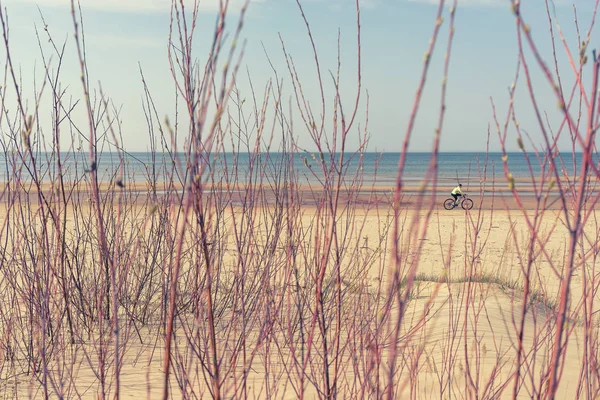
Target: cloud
x=126, y=41
x=466, y=2
x=340, y=5
x=503, y=3
x=136, y=6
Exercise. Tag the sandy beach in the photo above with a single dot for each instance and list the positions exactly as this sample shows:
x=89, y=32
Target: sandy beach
x=460, y=331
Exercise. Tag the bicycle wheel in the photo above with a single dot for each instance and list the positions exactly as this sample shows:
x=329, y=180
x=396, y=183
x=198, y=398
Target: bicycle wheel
x=449, y=204
x=467, y=204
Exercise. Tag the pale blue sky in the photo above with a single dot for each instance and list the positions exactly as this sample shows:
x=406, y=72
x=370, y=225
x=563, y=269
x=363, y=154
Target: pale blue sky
x=123, y=34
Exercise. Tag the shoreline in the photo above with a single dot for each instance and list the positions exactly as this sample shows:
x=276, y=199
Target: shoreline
x=412, y=197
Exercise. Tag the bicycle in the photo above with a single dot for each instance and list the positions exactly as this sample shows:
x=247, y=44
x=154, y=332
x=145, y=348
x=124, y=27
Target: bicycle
x=465, y=203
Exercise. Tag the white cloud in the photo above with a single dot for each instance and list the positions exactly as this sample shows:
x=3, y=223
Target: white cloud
x=135, y=6
x=339, y=5
x=466, y=2
x=126, y=41
x=506, y=3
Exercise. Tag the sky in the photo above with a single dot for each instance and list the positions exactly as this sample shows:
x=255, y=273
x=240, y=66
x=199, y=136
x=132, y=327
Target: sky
x=126, y=36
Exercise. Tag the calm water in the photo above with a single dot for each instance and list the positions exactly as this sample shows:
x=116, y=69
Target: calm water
x=376, y=168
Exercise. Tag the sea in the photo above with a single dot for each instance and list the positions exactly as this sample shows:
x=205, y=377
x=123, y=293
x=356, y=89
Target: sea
x=378, y=169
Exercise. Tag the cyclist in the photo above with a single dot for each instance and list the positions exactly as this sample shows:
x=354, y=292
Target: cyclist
x=457, y=191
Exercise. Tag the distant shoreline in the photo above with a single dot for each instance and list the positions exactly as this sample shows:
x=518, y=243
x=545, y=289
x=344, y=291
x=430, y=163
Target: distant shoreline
x=494, y=194
x=370, y=169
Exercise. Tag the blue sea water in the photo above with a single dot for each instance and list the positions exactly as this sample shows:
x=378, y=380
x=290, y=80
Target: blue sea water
x=373, y=168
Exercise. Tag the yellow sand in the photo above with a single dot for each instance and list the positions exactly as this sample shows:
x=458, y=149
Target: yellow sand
x=485, y=336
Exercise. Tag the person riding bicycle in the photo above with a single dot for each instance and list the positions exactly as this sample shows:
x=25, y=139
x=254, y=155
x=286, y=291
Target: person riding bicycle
x=457, y=191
